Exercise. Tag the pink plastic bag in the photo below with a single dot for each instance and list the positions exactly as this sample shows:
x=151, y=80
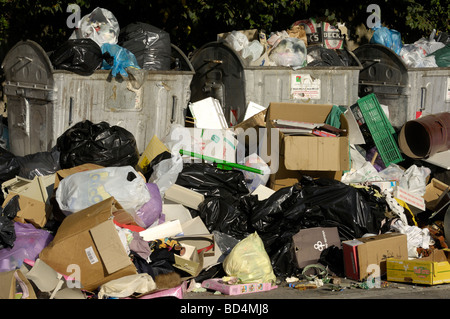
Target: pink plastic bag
x=29, y=242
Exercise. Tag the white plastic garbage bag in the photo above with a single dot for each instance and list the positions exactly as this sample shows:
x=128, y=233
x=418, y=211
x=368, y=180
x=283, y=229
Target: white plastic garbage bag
x=100, y=25
x=84, y=189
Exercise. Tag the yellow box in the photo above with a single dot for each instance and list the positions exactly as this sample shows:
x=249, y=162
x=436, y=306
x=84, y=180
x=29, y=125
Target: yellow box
x=431, y=270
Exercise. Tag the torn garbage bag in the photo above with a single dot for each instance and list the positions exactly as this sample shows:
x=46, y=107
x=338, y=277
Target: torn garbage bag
x=100, y=144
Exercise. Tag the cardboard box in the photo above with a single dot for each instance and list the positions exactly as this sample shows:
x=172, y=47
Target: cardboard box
x=363, y=255
x=309, y=153
x=34, y=198
x=286, y=178
x=310, y=242
x=431, y=270
x=90, y=240
x=10, y=280
x=238, y=289
x=437, y=194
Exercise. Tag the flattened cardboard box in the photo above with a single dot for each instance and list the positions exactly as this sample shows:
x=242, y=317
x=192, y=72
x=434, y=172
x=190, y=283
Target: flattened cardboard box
x=431, y=270
x=89, y=239
x=362, y=254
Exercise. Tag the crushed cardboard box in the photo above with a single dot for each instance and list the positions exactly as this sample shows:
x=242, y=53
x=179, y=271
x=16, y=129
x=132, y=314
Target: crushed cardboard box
x=34, y=198
x=90, y=240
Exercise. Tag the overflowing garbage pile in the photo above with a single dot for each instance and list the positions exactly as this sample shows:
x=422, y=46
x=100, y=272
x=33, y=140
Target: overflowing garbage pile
x=305, y=43
x=313, y=43
x=93, y=218
x=203, y=209
x=99, y=43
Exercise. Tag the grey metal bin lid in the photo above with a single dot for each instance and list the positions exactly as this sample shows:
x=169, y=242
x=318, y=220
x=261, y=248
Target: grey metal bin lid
x=381, y=66
x=28, y=65
x=219, y=73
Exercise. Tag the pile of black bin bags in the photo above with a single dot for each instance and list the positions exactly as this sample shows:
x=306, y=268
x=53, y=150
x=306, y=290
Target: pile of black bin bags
x=228, y=207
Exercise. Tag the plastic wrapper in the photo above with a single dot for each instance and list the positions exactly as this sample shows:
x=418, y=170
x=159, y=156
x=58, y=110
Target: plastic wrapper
x=248, y=261
x=165, y=173
x=84, y=189
x=99, y=144
x=81, y=56
x=388, y=37
x=253, y=180
x=289, y=52
x=150, y=45
x=122, y=59
x=100, y=25
x=28, y=244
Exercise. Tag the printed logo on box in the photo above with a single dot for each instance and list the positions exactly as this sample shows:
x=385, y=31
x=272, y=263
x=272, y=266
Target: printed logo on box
x=421, y=272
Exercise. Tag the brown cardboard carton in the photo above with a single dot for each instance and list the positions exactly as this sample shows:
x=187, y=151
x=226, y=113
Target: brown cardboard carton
x=35, y=207
x=304, y=152
x=89, y=240
x=8, y=283
x=437, y=194
x=363, y=255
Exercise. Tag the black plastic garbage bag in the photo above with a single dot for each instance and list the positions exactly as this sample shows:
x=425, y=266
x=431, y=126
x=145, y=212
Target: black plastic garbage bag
x=39, y=164
x=150, y=45
x=99, y=144
x=7, y=215
x=210, y=180
x=314, y=203
x=81, y=56
x=225, y=215
x=9, y=168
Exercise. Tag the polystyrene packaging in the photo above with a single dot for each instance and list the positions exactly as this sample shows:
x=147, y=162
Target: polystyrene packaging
x=84, y=189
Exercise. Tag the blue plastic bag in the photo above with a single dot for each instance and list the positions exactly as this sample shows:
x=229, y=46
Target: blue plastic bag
x=387, y=37
x=122, y=59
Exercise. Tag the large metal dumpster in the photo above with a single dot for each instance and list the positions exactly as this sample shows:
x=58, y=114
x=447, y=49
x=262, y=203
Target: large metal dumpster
x=221, y=73
x=43, y=102
x=403, y=89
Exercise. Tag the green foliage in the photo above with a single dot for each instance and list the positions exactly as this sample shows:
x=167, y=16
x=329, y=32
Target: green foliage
x=192, y=23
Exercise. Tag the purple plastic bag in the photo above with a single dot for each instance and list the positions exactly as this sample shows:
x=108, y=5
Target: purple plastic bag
x=29, y=242
x=151, y=211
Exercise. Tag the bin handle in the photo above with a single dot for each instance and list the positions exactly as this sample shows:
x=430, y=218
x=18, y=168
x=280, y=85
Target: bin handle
x=70, y=111
x=174, y=104
x=423, y=95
